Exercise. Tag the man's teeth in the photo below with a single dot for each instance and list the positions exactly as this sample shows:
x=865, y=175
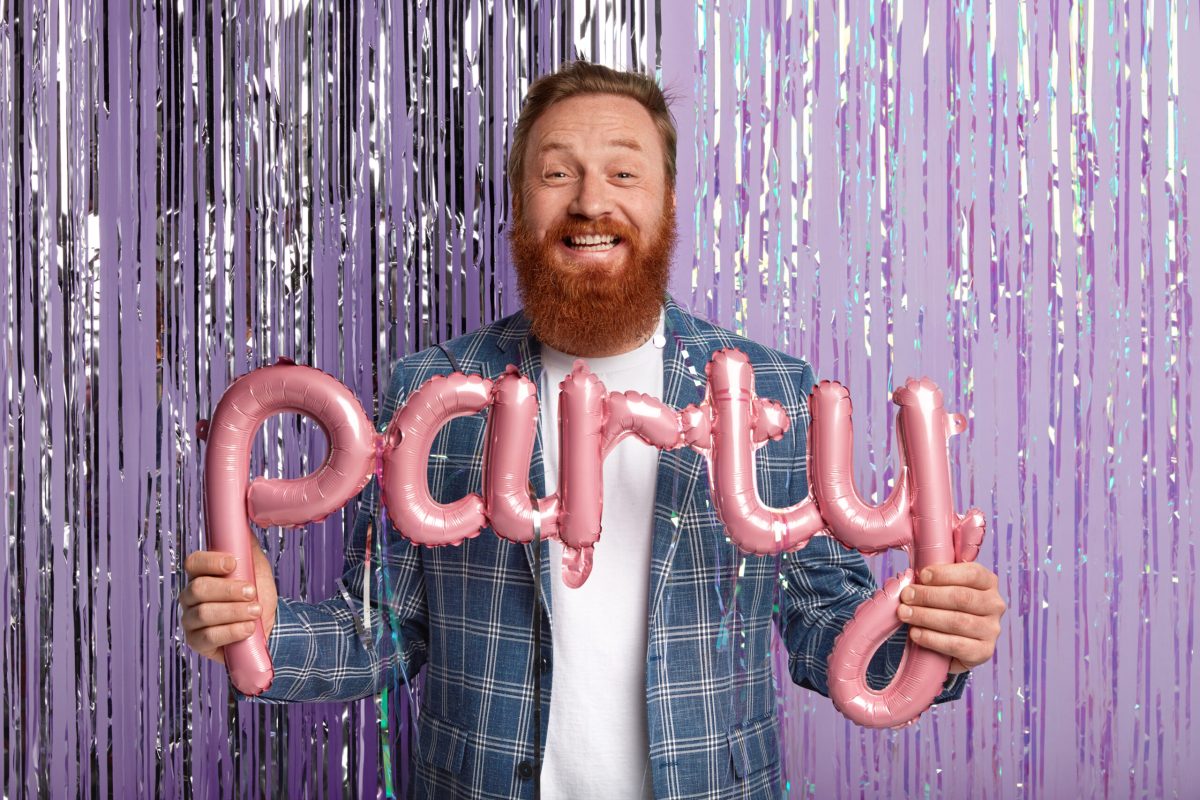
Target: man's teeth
x=593, y=242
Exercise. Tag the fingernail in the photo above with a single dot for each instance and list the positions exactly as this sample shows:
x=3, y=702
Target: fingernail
x=926, y=575
x=255, y=609
x=248, y=591
x=905, y=612
x=907, y=595
x=227, y=563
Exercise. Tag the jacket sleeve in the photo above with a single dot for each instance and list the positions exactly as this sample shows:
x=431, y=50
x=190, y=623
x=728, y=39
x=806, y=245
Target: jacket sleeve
x=821, y=586
x=328, y=650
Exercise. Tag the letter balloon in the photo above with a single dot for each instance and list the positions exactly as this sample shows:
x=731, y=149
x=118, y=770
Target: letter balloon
x=231, y=499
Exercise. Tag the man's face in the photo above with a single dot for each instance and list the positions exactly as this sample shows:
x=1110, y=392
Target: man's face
x=594, y=225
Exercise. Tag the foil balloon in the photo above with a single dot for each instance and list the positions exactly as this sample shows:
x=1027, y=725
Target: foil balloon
x=581, y=413
x=231, y=499
x=728, y=427
x=592, y=422
x=408, y=440
x=508, y=448
x=918, y=517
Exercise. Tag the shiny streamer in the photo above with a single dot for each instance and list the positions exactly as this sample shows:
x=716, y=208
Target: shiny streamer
x=993, y=194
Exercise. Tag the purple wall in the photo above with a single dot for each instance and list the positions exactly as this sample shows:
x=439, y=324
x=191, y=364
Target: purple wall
x=993, y=195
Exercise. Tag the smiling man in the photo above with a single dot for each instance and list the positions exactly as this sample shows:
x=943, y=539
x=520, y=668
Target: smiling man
x=655, y=677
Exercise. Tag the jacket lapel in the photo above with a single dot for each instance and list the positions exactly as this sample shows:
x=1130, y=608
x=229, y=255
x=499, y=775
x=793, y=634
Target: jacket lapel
x=684, y=357
x=518, y=347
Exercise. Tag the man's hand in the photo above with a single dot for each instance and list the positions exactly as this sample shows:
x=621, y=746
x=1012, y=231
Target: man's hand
x=216, y=610
x=956, y=611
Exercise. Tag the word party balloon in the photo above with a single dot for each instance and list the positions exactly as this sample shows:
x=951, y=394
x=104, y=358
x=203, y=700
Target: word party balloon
x=728, y=427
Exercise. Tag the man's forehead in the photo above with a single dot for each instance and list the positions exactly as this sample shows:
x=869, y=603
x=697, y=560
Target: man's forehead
x=610, y=121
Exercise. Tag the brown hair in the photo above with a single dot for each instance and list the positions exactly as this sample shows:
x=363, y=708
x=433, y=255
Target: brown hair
x=580, y=78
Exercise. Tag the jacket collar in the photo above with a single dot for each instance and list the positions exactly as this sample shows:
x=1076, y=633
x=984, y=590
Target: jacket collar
x=518, y=347
x=513, y=333
x=685, y=355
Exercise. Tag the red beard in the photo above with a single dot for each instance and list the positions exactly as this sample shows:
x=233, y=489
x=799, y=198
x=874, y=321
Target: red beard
x=584, y=310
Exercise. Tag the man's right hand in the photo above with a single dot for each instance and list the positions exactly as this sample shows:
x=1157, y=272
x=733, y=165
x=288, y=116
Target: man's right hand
x=216, y=610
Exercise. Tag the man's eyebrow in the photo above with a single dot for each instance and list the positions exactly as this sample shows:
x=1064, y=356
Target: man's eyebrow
x=632, y=144
x=552, y=145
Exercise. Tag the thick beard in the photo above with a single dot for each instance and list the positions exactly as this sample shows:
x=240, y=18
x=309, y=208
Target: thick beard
x=587, y=311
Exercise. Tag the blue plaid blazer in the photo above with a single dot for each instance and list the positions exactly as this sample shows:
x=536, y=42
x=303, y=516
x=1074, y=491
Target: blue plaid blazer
x=466, y=613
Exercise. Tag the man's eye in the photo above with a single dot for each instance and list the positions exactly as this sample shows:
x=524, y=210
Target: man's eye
x=624, y=175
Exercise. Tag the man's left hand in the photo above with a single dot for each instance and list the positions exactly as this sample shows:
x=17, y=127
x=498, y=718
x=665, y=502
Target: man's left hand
x=955, y=610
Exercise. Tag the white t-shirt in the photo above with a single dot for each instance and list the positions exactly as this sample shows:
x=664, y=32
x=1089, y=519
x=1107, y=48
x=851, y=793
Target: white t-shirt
x=597, y=745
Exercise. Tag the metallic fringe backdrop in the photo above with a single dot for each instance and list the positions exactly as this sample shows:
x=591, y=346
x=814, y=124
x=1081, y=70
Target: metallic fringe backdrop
x=993, y=194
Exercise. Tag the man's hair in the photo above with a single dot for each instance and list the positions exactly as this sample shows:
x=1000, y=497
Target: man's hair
x=582, y=78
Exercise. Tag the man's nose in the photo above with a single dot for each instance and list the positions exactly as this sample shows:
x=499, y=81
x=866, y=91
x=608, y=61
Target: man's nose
x=592, y=198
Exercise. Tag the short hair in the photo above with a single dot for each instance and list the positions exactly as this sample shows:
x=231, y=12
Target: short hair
x=582, y=78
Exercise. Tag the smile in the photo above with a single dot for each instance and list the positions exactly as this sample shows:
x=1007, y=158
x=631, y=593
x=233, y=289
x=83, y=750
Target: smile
x=592, y=243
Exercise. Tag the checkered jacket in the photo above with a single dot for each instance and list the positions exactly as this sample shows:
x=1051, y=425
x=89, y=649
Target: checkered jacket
x=466, y=613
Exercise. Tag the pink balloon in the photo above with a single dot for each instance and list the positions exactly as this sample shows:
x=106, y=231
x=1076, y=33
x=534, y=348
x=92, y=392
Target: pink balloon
x=591, y=423
x=732, y=413
x=511, y=428
x=917, y=517
x=728, y=428
x=406, y=496
x=230, y=497
x=581, y=412
x=644, y=417
x=869, y=529
x=968, y=536
x=917, y=681
x=938, y=536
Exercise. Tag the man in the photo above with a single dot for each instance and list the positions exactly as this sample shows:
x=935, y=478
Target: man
x=656, y=675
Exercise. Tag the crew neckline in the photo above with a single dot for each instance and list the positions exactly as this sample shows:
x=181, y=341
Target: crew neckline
x=653, y=345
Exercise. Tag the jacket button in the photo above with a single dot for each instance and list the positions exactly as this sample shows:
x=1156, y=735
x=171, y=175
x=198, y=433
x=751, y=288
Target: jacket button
x=545, y=664
x=525, y=770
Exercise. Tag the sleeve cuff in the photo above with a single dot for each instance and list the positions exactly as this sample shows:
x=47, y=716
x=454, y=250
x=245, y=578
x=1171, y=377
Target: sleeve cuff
x=284, y=617
x=953, y=688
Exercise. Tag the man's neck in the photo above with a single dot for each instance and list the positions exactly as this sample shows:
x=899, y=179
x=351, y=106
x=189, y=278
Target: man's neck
x=616, y=348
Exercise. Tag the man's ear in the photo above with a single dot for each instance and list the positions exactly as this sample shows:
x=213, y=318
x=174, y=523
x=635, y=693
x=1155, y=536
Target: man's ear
x=673, y=204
